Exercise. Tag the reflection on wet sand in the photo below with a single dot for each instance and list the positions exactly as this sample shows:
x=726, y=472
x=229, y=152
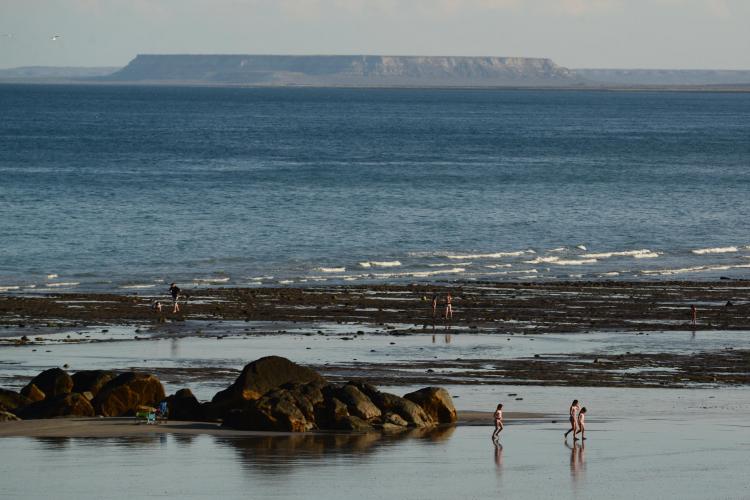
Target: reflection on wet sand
x=277, y=452
x=577, y=461
x=498, y=457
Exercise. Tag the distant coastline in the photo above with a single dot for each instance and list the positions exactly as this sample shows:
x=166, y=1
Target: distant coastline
x=401, y=72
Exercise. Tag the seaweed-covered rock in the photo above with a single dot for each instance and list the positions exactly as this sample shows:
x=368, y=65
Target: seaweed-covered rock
x=33, y=393
x=436, y=402
x=6, y=416
x=125, y=393
x=64, y=405
x=358, y=403
x=411, y=412
x=91, y=381
x=52, y=382
x=10, y=400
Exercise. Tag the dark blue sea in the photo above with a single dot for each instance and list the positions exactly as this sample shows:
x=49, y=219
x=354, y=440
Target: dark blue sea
x=116, y=187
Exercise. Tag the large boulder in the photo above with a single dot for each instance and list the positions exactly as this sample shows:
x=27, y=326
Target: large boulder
x=276, y=411
x=354, y=424
x=329, y=412
x=123, y=394
x=358, y=404
x=258, y=378
x=183, y=405
x=411, y=412
x=10, y=400
x=33, y=393
x=91, y=381
x=64, y=405
x=52, y=382
x=6, y=416
x=436, y=402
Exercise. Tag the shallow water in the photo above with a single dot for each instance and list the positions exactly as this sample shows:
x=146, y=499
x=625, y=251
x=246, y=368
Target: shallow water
x=235, y=350
x=628, y=458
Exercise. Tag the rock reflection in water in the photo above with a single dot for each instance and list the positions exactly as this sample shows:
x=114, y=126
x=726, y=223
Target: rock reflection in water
x=288, y=451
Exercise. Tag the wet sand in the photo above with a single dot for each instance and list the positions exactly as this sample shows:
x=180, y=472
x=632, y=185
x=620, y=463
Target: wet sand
x=125, y=426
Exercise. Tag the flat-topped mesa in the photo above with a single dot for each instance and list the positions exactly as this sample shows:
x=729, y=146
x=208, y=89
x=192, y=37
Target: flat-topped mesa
x=346, y=70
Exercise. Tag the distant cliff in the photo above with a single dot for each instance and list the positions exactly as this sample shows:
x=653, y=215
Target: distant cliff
x=346, y=70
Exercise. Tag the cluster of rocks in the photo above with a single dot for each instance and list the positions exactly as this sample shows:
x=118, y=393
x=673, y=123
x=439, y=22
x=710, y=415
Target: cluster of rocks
x=271, y=394
x=55, y=393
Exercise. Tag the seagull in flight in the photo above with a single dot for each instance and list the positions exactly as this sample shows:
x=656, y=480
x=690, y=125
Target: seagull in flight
x=56, y=37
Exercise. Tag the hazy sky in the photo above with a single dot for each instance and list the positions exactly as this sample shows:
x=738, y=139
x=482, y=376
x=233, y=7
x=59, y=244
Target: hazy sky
x=574, y=33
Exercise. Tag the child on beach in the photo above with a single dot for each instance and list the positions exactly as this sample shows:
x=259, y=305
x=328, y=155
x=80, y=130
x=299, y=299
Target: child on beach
x=693, y=314
x=157, y=307
x=582, y=423
x=434, y=306
x=573, y=411
x=498, y=422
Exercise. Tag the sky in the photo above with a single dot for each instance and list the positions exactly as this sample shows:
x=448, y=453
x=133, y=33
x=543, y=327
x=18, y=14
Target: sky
x=682, y=34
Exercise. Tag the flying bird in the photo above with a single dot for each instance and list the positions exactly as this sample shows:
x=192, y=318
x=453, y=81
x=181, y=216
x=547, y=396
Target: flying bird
x=55, y=37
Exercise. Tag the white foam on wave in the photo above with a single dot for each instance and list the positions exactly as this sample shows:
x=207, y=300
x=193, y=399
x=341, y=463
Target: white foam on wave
x=496, y=255
x=286, y=282
x=136, y=287
x=557, y=250
x=52, y=276
x=581, y=247
x=207, y=281
x=450, y=264
x=579, y=262
x=543, y=260
x=8, y=288
x=695, y=269
x=609, y=274
x=382, y=263
x=709, y=251
x=498, y=266
x=62, y=284
x=330, y=269
x=638, y=254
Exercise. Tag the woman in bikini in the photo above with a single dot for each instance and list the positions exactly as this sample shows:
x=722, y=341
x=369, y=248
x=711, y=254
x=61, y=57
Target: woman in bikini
x=498, y=422
x=574, y=407
x=448, y=307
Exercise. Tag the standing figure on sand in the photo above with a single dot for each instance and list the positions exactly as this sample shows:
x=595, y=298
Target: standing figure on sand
x=498, y=422
x=573, y=416
x=448, y=307
x=175, y=291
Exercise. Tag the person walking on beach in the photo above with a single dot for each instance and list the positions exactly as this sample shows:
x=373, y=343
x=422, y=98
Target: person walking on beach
x=574, y=408
x=498, y=422
x=448, y=307
x=693, y=314
x=434, y=306
x=175, y=291
x=582, y=423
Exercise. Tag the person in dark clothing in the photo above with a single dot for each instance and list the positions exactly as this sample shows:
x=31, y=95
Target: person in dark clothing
x=175, y=291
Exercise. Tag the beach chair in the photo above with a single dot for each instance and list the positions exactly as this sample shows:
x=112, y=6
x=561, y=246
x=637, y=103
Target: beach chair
x=145, y=415
x=162, y=412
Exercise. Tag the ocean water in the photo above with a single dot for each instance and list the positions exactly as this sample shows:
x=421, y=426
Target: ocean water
x=126, y=188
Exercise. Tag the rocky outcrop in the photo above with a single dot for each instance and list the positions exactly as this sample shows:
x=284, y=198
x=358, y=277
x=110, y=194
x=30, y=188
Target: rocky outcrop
x=436, y=402
x=33, y=393
x=256, y=379
x=91, y=381
x=52, y=382
x=125, y=393
x=65, y=405
x=355, y=406
x=183, y=405
x=10, y=400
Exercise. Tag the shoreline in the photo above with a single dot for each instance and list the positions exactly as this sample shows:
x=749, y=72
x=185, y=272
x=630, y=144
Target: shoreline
x=115, y=427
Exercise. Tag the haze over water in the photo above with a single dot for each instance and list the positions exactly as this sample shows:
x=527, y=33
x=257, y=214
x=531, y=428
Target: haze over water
x=109, y=187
